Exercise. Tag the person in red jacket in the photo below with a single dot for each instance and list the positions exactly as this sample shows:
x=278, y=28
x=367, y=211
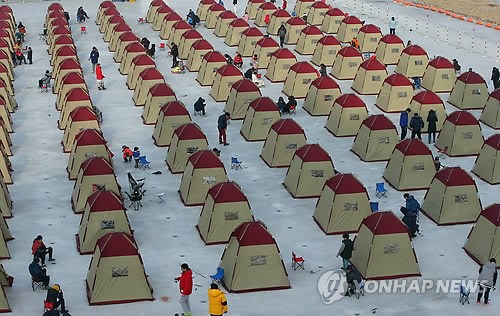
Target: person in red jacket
x=186, y=288
x=100, y=77
x=38, y=250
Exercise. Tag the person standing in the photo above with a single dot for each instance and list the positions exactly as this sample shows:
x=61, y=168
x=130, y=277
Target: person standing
x=94, y=58
x=222, y=126
x=136, y=154
x=30, y=56
x=345, y=251
x=282, y=34
x=487, y=280
x=495, y=77
x=99, y=77
x=39, y=250
x=403, y=122
x=431, y=126
x=322, y=70
x=392, y=26
x=186, y=288
x=235, y=4
x=411, y=205
x=174, y=51
x=217, y=303
x=416, y=125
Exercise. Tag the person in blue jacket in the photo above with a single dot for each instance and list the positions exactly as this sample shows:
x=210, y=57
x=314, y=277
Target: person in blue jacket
x=403, y=122
x=94, y=58
x=411, y=205
x=136, y=154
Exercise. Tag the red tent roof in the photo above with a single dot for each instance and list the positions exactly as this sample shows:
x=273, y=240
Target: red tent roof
x=329, y=40
x=164, y=9
x=335, y=12
x=384, y=223
x=312, y=153
x=82, y=113
x=462, y=118
x=345, y=183
x=55, y=6
x=494, y=141
x=181, y=25
x=303, y=67
x=151, y=74
x=216, y=7
x=111, y=11
x=134, y=47
x=59, y=30
x=189, y=131
x=281, y=13
x=495, y=94
x=3, y=55
x=320, y=5
x=370, y=29
x=227, y=192
x=56, y=13
x=311, y=30
x=296, y=21
x=156, y=3
x=471, y=77
x=229, y=70
x=77, y=94
x=263, y=104
x=256, y=1
x=378, y=122
x=73, y=78
x=174, y=108
x=203, y=159
x=350, y=100
x=441, y=63
x=96, y=166
x=253, y=234
x=239, y=23
x=59, y=20
x=117, y=245
x=102, y=201
x=3, y=42
x=142, y=60
x=413, y=147
x=427, y=97
x=5, y=8
x=287, y=127
x=398, y=80
x=128, y=37
x=106, y=4
x=89, y=137
x=116, y=19
x=227, y=15
x=202, y=44
x=172, y=16
x=62, y=40
x=4, y=33
x=267, y=42
x=349, y=51
x=252, y=31
x=492, y=213
x=267, y=6
x=245, y=85
x=214, y=57
x=191, y=34
x=69, y=63
x=122, y=27
x=391, y=39
x=283, y=53
x=372, y=64
x=2, y=68
x=325, y=83
x=351, y=19
x=454, y=176
x=414, y=50
x=161, y=90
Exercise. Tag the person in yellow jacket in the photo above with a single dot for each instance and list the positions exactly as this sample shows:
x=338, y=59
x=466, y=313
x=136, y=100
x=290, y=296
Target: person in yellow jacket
x=217, y=303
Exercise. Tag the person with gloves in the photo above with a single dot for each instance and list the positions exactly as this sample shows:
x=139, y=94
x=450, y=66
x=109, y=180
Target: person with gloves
x=185, y=288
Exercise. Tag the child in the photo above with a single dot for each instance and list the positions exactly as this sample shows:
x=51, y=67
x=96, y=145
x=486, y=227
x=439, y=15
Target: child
x=136, y=154
x=127, y=154
x=30, y=56
x=100, y=77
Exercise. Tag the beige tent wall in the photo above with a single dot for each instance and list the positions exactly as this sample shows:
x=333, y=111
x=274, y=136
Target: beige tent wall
x=68, y=107
x=83, y=188
x=347, y=32
x=331, y=22
x=468, y=96
x=279, y=17
x=461, y=140
x=279, y=149
x=438, y=79
x=306, y=44
x=136, y=69
x=233, y=36
x=202, y=10
x=412, y=65
x=73, y=128
x=262, y=11
x=127, y=58
x=389, y=54
x=222, y=85
x=247, y=42
x=257, y=124
x=207, y=72
x=293, y=31
x=238, y=102
x=5, y=167
x=265, y=51
x=4, y=250
x=320, y=101
x=423, y=110
x=5, y=116
x=325, y=54
x=491, y=112
x=81, y=153
x=252, y=7
x=483, y=242
x=212, y=16
x=5, y=139
x=222, y=23
x=409, y=172
x=394, y=98
x=5, y=200
x=297, y=83
x=7, y=235
x=142, y=89
x=121, y=49
x=196, y=182
x=486, y=166
x=345, y=121
x=187, y=40
x=306, y=179
x=278, y=68
x=154, y=102
x=374, y=145
x=195, y=57
x=345, y=68
x=180, y=150
x=4, y=303
x=167, y=25
x=368, y=81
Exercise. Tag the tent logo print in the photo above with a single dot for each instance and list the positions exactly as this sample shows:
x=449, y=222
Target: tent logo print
x=331, y=286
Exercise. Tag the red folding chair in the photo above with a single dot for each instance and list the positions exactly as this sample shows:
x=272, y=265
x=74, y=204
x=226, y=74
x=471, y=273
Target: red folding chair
x=83, y=30
x=443, y=153
x=47, y=306
x=162, y=46
x=297, y=262
x=140, y=21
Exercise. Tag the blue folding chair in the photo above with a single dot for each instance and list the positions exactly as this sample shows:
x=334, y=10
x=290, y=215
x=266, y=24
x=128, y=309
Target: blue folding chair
x=374, y=206
x=143, y=163
x=380, y=190
x=235, y=163
x=218, y=276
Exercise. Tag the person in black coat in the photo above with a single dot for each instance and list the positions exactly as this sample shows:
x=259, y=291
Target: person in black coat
x=199, y=105
x=353, y=278
x=222, y=126
x=248, y=74
x=145, y=42
x=416, y=125
x=151, y=52
x=495, y=77
x=281, y=104
x=38, y=273
x=55, y=296
x=431, y=125
x=52, y=312
x=410, y=220
x=322, y=70
x=290, y=105
x=345, y=251
x=174, y=51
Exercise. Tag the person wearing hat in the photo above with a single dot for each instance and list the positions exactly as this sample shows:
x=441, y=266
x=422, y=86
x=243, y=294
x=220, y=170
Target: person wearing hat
x=217, y=303
x=55, y=296
x=127, y=153
x=185, y=287
x=222, y=126
x=39, y=250
x=487, y=280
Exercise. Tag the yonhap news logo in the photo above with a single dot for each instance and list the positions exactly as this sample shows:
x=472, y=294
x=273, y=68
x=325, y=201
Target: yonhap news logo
x=332, y=285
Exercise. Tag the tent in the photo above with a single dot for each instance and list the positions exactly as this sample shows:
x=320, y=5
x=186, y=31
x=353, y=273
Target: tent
x=242, y=93
x=196, y=53
x=326, y=50
x=248, y=40
x=452, y=198
x=58, y=31
x=64, y=52
x=376, y=139
x=346, y=63
x=80, y=118
x=252, y=261
x=161, y=12
x=322, y=92
x=308, y=40
x=158, y=95
x=317, y=13
x=483, y=241
x=222, y=24
x=108, y=4
x=486, y=166
x=88, y=142
x=61, y=41
x=252, y=7
x=10, y=104
x=311, y=166
x=266, y=8
x=370, y=77
x=67, y=66
x=123, y=41
x=5, y=116
x=5, y=200
x=423, y=102
x=461, y=135
x=5, y=279
x=303, y=7
x=469, y=92
x=294, y=26
x=346, y=115
x=70, y=81
x=6, y=235
x=118, y=30
x=369, y=35
x=76, y=97
x=411, y=166
x=4, y=75
x=383, y=249
x=348, y=28
x=209, y=64
x=179, y=28
x=166, y=27
x=57, y=20
x=412, y=62
x=264, y=49
x=6, y=61
x=491, y=112
x=107, y=14
x=278, y=18
x=342, y=205
x=389, y=49
x=187, y=40
x=225, y=77
x=116, y=273
x=234, y=31
x=104, y=213
x=283, y=139
x=203, y=170
x=5, y=138
x=281, y=61
x=113, y=23
x=202, y=10
x=260, y=116
x=139, y=63
x=153, y=6
x=95, y=173
x=5, y=167
x=171, y=115
x=4, y=303
x=396, y=94
x=225, y=208
x=130, y=52
x=212, y=14
x=299, y=78
x=186, y=140
x=146, y=80
x=439, y=75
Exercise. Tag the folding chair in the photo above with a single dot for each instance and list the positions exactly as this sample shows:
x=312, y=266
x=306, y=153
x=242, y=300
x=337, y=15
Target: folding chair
x=160, y=196
x=135, y=199
x=42, y=37
x=83, y=30
x=143, y=163
x=47, y=306
x=374, y=206
x=297, y=262
x=380, y=190
x=37, y=285
x=45, y=88
x=218, y=276
x=162, y=46
x=135, y=184
x=464, y=295
x=235, y=163
x=292, y=110
x=360, y=289
x=140, y=20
